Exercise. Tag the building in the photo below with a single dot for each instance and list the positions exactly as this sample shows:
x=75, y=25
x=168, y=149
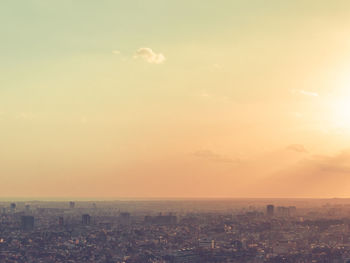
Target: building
x=13, y=207
x=270, y=210
x=161, y=219
x=206, y=243
x=185, y=256
x=85, y=219
x=71, y=205
x=27, y=223
x=61, y=221
x=292, y=210
x=237, y=244
x=282, y=211
x=124, y=218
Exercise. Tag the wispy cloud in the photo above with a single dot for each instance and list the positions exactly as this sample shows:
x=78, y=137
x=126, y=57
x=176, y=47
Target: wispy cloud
x=150, y=56
x=316, y=175
x=297, y=148
x=212, y=156
x=25, y=116
x=305, y=92
x=116, y=52
x=205, y=94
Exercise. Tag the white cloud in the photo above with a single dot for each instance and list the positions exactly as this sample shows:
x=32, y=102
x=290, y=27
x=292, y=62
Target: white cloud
x=150, y=56
x=116, y=52
x=309, y=93
x=305, y=92
x=204, y=94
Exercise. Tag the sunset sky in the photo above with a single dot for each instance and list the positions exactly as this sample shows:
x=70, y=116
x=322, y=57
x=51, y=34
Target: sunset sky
x=182, y=98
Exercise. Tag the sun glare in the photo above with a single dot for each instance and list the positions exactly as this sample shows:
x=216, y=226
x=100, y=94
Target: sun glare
x=341, y=113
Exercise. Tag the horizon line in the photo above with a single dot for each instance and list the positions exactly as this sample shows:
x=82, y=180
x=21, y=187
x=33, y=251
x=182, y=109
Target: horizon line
x=109, y=199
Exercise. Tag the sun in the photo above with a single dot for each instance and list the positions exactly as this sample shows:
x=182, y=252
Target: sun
x=341, y=113
x=338, y=100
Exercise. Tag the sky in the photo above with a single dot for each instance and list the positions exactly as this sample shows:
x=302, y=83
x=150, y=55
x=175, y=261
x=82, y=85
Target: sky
x=174, y=99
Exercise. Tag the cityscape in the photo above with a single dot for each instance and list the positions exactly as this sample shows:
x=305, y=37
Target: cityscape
x=176, y=231
x=174, y=131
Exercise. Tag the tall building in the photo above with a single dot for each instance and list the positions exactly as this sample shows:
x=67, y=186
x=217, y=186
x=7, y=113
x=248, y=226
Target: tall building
x=161, y=219
x=71, y=205
x=13, y=207
x=85, y=219
x=270, y=210
x=124, y=218
x=237, y=244
x=27, y=223
x=61, y=221
x=292, y=210
x=282, y=211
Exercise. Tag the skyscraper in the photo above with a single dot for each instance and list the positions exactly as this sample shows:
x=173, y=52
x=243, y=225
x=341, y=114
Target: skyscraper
x=71, y=205
x=270, y=210
x=85, y=219
x=124, y=218
x=61, y=221
x=13, y=207
x=27, y=223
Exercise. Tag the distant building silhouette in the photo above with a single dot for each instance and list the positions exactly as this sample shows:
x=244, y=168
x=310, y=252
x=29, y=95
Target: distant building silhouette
x=292, y=210
x=270, y=209
x=71, y=205
x=237, y=244
x=85, y=219
x=13, y=207
x=124, y=218
x=161, y=219
x=284, y=211
x=27, y=223
x=61, y=221
x=185, y=255
x=206, y=243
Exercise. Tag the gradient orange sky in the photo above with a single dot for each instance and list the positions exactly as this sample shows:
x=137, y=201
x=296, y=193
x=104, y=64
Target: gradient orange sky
x=228, y=98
